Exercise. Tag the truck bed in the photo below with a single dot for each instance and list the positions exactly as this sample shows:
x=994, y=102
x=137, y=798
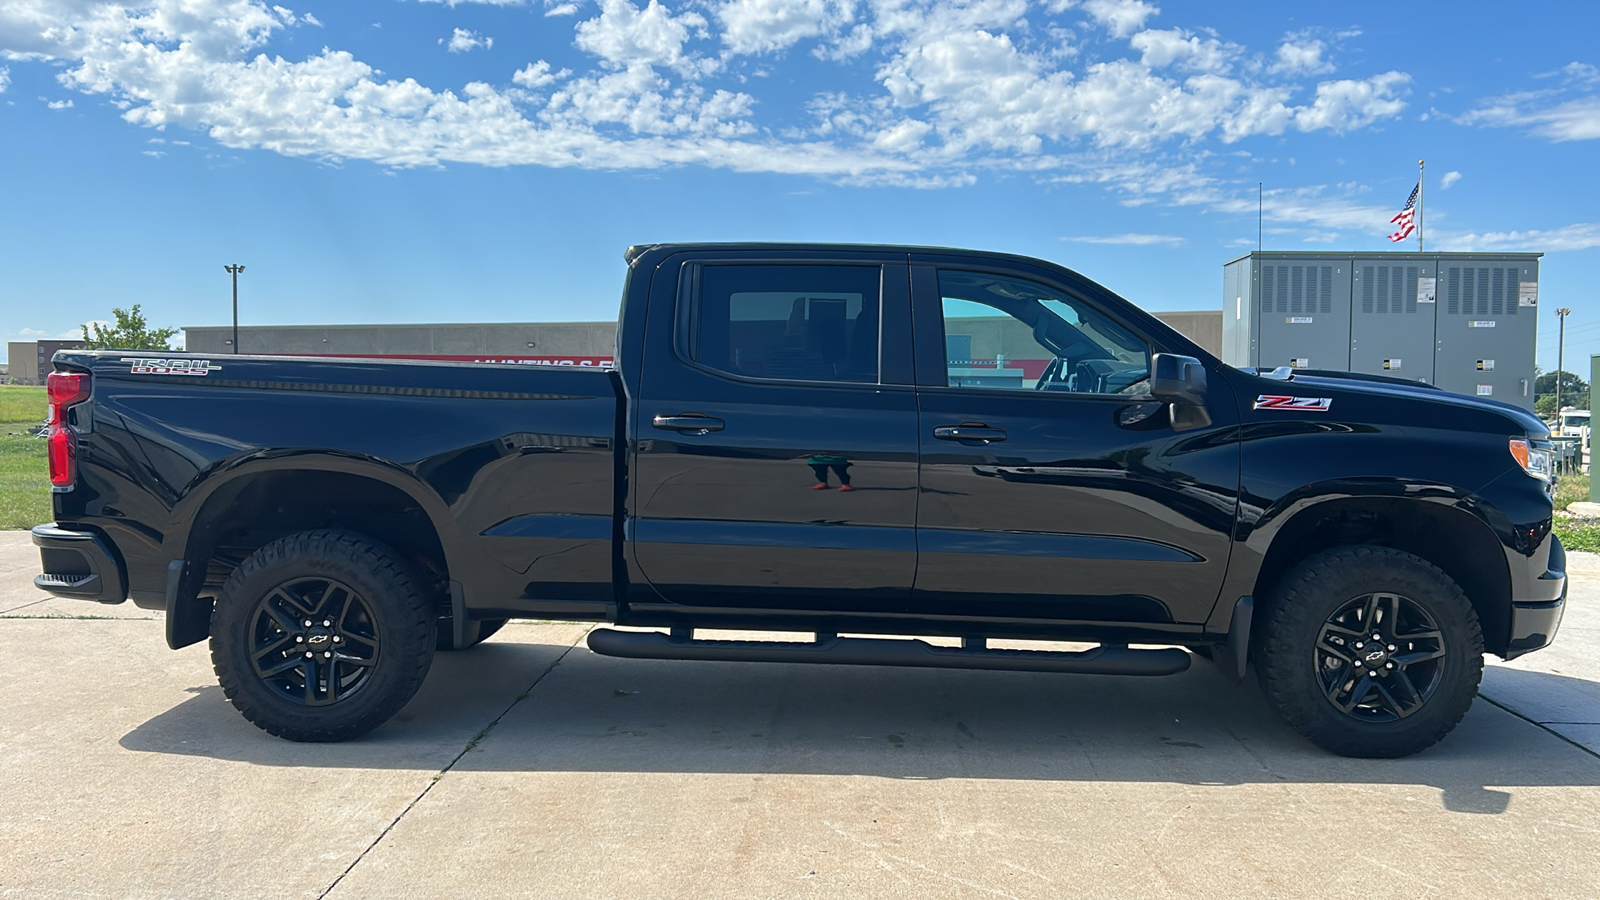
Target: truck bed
x=513, y=465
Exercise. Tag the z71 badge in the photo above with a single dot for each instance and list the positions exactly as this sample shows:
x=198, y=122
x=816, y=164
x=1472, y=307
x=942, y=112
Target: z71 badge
x=1302, y=404
x=170, y=366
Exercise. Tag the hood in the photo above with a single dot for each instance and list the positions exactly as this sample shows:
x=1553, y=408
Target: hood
x=1400, y=389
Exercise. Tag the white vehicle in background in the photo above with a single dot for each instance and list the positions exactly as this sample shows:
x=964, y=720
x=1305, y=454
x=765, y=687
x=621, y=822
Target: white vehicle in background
x=1574, y=423
x=1572, y=428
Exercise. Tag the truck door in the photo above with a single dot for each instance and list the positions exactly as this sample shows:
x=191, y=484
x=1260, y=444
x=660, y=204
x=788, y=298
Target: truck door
x=1052, y=485
x=775, y=464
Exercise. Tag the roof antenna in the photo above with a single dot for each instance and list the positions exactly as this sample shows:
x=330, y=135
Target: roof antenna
x=1259, y=206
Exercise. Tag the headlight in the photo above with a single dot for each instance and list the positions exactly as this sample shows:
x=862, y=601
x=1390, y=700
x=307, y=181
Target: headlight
x=1540, y=462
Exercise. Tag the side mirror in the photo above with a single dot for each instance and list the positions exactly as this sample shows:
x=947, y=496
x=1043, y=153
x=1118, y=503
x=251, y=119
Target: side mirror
x=1180, y=380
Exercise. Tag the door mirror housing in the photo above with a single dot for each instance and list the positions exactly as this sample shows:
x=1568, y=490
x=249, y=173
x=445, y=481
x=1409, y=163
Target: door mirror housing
x=1181, y=381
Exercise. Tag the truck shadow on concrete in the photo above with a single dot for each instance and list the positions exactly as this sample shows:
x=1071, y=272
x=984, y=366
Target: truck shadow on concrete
x=545, y=708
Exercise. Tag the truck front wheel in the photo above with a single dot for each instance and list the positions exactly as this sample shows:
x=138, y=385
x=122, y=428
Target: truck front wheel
x=1369, y=651
x=321, y=636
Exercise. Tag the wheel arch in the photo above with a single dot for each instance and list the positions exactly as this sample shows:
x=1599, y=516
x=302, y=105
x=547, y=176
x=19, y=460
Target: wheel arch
x=1445, y=534
x=261, y=500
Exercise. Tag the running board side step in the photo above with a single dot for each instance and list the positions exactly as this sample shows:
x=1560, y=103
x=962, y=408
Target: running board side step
x=829, y=648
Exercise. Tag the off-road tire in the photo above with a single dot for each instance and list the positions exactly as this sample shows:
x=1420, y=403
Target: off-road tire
x=1301, y=605
x=478, y=631
x=395, y=614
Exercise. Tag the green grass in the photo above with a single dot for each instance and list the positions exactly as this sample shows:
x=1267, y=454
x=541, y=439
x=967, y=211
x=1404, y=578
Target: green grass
x=24, y=472
x=1571, y=488
x=1575, y=534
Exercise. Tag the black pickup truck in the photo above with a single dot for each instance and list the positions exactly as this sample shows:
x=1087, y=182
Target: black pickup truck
x=844, y=442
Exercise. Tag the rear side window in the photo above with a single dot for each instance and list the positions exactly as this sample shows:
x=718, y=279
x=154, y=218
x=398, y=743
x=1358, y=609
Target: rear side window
x=795, y=323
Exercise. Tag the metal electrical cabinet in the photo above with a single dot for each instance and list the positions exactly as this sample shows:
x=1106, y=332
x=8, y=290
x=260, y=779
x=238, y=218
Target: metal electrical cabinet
x=1488, y=308
x=1392, y=317
x=1464, y=321
x=1304, y=313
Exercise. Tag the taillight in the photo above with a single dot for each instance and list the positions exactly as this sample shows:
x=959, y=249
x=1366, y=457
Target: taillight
x=64, y=390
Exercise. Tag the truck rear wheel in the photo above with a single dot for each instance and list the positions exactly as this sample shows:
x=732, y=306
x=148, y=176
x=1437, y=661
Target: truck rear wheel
x=321, y=636
x=1369, y=651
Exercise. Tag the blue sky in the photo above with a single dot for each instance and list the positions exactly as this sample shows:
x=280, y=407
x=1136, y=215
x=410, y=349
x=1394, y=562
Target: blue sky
x=489, y=160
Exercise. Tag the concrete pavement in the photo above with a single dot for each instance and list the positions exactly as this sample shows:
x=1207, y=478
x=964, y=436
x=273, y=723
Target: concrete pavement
x=531, y=767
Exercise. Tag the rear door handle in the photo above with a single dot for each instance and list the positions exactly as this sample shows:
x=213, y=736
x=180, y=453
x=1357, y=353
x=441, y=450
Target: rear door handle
x=689, y=423
x=970, y=433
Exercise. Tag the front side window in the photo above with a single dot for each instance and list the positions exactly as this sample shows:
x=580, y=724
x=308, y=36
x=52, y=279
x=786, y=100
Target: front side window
x=1015, y=334
x=805, y=323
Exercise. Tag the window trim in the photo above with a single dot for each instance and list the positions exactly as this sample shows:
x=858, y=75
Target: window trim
x=687, y=316
x=926, y=298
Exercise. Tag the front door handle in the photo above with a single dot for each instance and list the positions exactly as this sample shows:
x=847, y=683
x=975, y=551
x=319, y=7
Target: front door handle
x=689, y=423
x=970, y=433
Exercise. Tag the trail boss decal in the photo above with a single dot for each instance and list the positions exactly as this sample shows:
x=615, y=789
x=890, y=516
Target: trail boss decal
x=142, y=366
x=1303, y=404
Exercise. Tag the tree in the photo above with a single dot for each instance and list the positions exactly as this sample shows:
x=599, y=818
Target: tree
x=130, y=332
x=1574, y=392
x=1571, y=385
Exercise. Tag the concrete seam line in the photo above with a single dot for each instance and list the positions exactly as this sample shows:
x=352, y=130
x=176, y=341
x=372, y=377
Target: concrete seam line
x=25, y=605
x=1539, y=725
x=22, y=618
x=473, y=742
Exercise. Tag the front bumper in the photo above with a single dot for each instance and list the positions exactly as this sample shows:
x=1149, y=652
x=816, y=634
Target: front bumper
x=1534, y=619
x=81, y=565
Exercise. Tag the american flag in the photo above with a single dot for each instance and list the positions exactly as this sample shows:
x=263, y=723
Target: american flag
x=1404, y=217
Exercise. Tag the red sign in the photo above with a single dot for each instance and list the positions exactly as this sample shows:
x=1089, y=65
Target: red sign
x=582, y=362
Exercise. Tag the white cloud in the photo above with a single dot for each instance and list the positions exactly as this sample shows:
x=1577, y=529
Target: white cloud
x=1301, y=54
x=553, y=9
x=538, y=74
x=641, y=100
x=58, y=104
x=1137, y=240
x=1349, y=104
x=1570, y=112
x=1449, y=178
x=1579, y=236
x=1581, y=72
x=462, y=41
x=32, y=333
x=5, y=79
x=1572, y=120
x=625, y=35
x=309, y=19
x=765, y=26
x=455, y=3
x=981, y=90
x=1180, y=48
x=1120, y=17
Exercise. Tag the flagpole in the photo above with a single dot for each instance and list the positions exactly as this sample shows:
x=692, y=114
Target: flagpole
x=1421, y=169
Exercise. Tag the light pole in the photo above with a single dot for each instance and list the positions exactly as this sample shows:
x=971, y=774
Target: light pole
x=234, y=270
x=1561, y=350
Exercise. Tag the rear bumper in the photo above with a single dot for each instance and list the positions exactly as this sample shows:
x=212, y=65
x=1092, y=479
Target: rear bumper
x=81, y=565
x=1536, y=613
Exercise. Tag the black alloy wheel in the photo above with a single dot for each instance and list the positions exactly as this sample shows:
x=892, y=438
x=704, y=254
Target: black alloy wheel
x=322, y=635
x=314, y=641
x=1368, y=651
x=1380, y=658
